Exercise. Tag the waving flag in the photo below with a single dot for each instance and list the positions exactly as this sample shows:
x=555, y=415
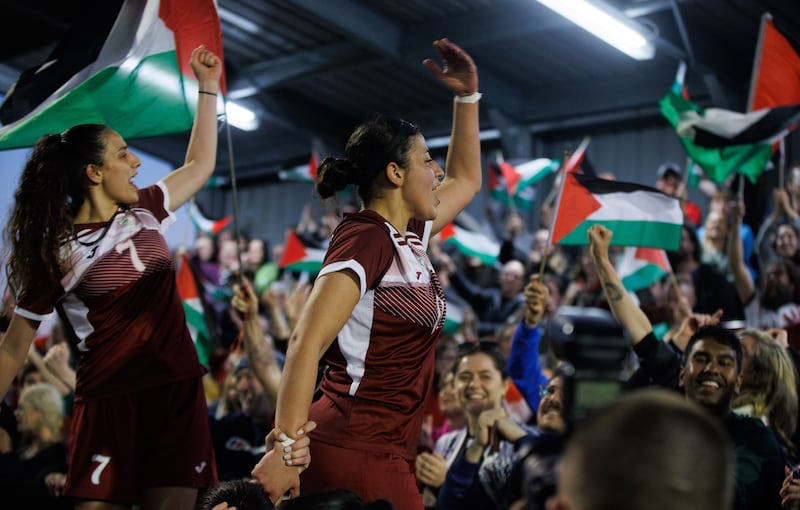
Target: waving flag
x=299, y=257
x=717, y=162
x=193, y=308
x=209, y=227
x=776, y=68
x=638, y=215
x=472, y=244
x=640, y=268
x=514, y=182
x=140, y=82
x=306, y=173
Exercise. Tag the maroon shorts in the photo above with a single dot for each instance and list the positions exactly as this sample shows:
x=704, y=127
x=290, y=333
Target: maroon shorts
x=371, y=475
x=157, y=437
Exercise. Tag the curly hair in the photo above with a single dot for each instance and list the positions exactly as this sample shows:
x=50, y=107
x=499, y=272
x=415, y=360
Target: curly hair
x=51, y=190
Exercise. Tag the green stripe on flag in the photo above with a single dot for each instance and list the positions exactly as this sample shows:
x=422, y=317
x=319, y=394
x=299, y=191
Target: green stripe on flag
x=643, y=277
x=649, y=234
x=127, y=100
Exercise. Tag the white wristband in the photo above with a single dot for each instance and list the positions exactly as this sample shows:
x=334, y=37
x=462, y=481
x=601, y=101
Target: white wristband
x=472, y=98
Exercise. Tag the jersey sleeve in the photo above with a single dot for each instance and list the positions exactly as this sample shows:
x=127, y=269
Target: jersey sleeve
x=362, y=247
x=155, y=199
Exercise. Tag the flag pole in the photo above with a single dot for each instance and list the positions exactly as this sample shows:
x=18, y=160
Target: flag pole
x=234, y=195
x=782, y=163
x=567, y=155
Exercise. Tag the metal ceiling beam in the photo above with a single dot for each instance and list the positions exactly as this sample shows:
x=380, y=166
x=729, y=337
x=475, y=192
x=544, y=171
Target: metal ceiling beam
x=355, y=21
x=271, y=73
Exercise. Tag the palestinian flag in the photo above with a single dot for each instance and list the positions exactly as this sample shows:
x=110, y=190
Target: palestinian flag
x=139, y=81
x=576, y=158
x=193, y=309
x=718, y=163
x=715, y=127
x=472, y=244
x=299, y=257
x=514, y=183
x=637, y=215
x=639, y=268
x=776, y=68
x=307, y=173
x=209, y=227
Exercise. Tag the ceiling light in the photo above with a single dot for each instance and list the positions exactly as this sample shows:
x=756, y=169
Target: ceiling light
x=607, y=23
x=237, y=20
x=241, y=117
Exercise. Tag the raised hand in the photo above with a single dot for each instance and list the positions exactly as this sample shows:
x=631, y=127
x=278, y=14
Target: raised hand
x=459, y=73
x=536, y=295
x=599, y=241
x=207, y=67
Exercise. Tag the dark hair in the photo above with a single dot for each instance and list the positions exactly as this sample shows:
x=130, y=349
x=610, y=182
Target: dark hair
x=243, y=494
x=373, y=145
x=646, y=448
x=719, y=334
x=51, y=190
x=484, y=347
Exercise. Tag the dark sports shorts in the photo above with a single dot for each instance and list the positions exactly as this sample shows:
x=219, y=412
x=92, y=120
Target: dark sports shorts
x=158, y=437
x=371, y=475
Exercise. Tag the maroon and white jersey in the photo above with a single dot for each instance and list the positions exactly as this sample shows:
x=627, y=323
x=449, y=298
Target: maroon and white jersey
x=121, y=301
x=380, y=368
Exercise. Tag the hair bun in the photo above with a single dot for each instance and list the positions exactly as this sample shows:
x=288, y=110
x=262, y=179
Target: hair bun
x=334, y=175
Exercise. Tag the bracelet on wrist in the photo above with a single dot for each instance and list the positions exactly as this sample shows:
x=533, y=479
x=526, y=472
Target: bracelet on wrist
x=207, y=93
x=472, y=98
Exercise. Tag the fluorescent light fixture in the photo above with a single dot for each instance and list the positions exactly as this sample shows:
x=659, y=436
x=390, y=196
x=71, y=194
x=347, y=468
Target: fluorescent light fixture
x=237, y=20
x=607, y=23
x=241, y=117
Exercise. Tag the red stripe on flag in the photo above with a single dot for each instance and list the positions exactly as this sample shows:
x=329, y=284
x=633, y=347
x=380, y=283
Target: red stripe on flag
x=776, y=70
x=654, y=256
x=187, y=287
x=294, y=251
x=447, y=232
x=574, y=206
x=194, y=22
x=511, y=176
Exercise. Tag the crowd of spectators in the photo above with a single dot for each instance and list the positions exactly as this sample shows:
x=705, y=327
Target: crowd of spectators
x=499, y=384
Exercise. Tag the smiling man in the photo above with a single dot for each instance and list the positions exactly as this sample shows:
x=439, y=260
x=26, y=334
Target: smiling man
x=709, y=375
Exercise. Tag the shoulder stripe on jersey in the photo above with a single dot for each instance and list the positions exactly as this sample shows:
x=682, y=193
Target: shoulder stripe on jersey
x=354, y=266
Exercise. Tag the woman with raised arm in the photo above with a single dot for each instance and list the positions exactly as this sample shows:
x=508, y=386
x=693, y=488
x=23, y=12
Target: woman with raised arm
x=377, y=309
x=85, y=241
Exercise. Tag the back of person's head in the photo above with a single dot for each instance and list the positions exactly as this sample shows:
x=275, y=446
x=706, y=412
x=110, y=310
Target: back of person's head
x=720, y=335
x=647, y=450
x=242, y=494
x=372, y=146
x=334, y=500
x=52, y=188
x=49, y=404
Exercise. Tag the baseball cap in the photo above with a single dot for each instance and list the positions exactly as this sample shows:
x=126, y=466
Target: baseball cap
x=670, y=167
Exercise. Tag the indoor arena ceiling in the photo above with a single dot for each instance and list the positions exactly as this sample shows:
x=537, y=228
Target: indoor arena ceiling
x=312, y=69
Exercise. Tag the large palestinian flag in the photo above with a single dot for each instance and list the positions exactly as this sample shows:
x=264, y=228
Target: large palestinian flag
x=637, y=215
x=138, y=81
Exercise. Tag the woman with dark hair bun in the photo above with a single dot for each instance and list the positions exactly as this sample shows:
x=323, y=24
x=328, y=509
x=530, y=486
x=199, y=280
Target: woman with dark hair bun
x=84, y=241
x=377, y=309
